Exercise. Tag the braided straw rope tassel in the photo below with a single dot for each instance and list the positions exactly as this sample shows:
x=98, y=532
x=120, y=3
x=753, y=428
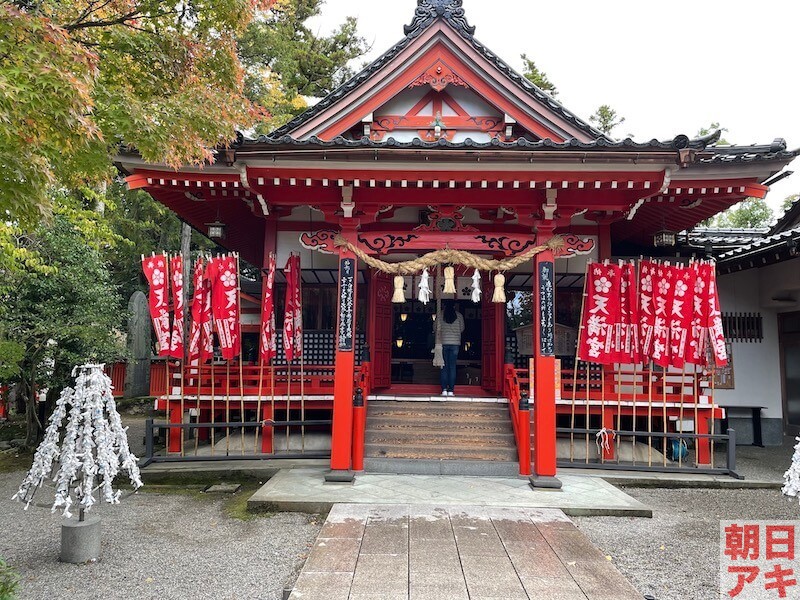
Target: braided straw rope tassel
x=449, y=280
x=499, y=295
x=399, y=295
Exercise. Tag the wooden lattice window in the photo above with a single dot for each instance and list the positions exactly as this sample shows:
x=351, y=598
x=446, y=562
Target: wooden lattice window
x=743, y=327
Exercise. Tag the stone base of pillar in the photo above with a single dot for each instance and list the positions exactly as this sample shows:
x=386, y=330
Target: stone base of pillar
x=339, y=476
x=541, y=482
x=80, y=541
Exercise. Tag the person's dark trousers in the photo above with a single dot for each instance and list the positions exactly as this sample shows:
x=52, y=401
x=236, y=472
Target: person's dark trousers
x=448, y=375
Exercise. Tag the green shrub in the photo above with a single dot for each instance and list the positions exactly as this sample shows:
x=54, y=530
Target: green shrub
x=9, y=580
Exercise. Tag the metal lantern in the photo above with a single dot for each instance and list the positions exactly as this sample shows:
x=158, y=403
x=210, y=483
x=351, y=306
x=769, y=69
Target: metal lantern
x=664, y=238
x=216, y=230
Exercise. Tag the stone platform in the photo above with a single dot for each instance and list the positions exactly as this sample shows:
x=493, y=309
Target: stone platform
x=305, y=490
x=435, y=552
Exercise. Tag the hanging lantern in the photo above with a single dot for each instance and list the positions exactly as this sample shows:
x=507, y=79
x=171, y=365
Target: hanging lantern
x=399, y=342
x=449, y=280
x=499, y=295
x=665, y=238
x=404, y=317
x=399, y=294
x=216, y=230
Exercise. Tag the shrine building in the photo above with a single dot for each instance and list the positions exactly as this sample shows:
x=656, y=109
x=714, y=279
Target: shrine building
x=440, y=144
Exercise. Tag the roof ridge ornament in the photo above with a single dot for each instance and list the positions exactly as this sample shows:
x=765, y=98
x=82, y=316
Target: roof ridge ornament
x=428, y=11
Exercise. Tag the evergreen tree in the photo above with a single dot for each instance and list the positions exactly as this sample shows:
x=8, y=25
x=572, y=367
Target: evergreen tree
x=537, y=77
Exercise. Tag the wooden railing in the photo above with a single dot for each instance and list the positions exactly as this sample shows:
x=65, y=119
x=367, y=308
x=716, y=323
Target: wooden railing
x=116, y=371
x=656, y=407
x=519, y=411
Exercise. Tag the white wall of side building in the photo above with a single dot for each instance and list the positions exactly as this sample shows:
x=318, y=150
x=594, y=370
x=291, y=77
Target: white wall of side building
x=757, y=369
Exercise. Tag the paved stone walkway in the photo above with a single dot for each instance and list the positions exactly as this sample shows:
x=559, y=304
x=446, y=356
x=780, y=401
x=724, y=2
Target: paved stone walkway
x=418, y=552
x=306, y=490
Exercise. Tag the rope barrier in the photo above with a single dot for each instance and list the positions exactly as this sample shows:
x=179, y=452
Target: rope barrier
x=448, y=256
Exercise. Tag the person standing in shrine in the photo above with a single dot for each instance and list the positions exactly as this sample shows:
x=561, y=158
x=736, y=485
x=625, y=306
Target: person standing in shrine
x=451, y=328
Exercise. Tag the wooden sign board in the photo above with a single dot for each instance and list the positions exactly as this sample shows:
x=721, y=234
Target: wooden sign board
x=347, y=298
x=547, y=308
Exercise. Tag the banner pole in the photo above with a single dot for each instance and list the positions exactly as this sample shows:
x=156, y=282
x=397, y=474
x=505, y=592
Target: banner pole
x=241, y=350
x=258, y=403
x=575, y=367
x=227, y=407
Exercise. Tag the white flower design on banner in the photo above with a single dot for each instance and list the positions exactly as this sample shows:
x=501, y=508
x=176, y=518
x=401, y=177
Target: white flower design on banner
x=680, y=288
x=602, y=285
x=177, y=279
x=647, y=284
x=228, y=279
x=158, y=277
x=663, y=287
x=699, y=286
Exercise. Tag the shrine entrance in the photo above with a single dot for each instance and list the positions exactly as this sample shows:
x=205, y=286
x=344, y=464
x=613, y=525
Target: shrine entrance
x=402, y=336
x=414, y=336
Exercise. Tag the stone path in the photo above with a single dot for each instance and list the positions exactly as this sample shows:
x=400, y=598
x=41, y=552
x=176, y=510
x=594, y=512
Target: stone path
x=419, y=552
x=305, y=490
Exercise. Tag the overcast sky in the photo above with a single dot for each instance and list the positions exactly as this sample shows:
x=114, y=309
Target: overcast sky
x=667, y=67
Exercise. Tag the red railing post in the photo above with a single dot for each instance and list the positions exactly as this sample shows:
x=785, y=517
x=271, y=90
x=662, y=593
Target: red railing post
x=524, y=435
x=359, y=428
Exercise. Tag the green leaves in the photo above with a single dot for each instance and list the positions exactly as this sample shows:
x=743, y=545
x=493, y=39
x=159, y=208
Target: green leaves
x=537, y=77
x=80, y=77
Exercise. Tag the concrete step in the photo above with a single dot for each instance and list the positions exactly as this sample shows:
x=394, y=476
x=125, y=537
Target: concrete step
x=440, y=452
x=462, y=426
x=472, y=468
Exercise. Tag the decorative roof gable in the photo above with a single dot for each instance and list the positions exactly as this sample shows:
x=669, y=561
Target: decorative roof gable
x=442, y=23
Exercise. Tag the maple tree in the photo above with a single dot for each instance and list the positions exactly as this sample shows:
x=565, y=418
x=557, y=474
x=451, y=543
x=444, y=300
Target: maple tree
x=80, y=77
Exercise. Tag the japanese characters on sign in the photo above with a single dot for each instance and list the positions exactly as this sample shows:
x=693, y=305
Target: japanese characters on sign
x=347, y=273
x=224, y=275
x=547, y=321
x=200, y=332
x=758, y=559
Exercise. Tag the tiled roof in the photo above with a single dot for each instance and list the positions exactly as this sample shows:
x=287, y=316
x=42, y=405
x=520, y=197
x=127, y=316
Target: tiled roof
x=764, y=244
x=426, y=13
x=725, y=237
x=756, y=152
x=627, y=144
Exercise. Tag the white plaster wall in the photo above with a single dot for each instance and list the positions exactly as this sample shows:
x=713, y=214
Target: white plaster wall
x=780, y=285
x=756, y=365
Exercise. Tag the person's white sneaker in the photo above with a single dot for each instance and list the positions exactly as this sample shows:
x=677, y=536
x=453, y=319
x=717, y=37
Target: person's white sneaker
x=444, y=394
x=450, y=394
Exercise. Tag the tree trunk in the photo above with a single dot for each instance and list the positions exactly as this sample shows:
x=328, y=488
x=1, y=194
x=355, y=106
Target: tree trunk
x=27, y=389
x=186, y=252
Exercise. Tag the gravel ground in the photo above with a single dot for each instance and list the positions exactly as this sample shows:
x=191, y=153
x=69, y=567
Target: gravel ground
x=675, y=555
x=157, y=546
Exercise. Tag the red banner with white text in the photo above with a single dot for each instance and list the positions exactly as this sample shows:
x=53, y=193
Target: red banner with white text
x=224, y=277
x=200, y=334
x=156, y=272
x=293, y=313
x=176, y=276
x=268, y=346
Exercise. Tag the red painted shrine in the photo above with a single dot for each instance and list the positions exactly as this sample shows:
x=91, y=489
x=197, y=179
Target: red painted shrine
x=439, y=144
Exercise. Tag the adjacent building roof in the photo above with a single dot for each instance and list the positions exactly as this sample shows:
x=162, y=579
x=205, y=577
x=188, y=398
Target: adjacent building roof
x=766, y=250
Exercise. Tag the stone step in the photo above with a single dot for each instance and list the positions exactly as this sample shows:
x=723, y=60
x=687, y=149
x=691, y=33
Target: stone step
x=456, y=427
x=430, y=438
x=440, y=452
x=421, y=466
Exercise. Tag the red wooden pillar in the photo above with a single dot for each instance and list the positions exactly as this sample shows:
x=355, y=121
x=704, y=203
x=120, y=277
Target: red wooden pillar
x=544, y=384
x=175, y=416
x=703, y=444
x=344, y=369
x=267, y=432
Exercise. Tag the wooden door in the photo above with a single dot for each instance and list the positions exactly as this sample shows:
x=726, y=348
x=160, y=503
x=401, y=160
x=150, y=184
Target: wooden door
x=493, y=332
x=789, y=332
x=379, y=328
